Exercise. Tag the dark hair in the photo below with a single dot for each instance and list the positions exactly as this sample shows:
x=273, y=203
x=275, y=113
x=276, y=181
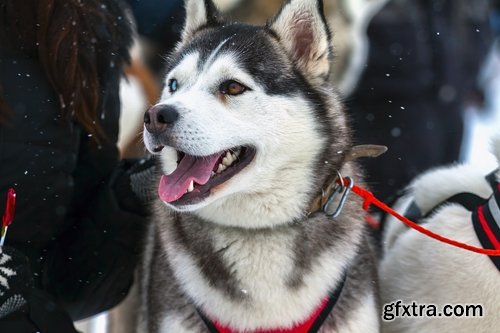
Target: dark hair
x=75, y=42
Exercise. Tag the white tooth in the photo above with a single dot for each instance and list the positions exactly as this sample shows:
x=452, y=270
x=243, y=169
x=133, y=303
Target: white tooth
x=237, y=153
x=191, y=187
x=221, y=168
x=227, y=161
x=212, y=174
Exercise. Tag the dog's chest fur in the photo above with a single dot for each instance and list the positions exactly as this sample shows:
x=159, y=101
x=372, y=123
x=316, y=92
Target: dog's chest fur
x=252, y=278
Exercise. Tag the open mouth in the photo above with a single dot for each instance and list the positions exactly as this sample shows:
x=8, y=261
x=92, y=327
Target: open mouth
x=196, y=176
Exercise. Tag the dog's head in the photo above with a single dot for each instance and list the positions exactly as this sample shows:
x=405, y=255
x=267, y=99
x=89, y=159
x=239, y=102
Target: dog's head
x=248, y=126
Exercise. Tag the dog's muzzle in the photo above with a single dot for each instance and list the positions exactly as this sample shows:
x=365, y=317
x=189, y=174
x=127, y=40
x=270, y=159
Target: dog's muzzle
x=159, y=118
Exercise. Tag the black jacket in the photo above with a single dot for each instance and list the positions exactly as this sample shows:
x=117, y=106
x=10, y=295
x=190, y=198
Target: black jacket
x=420, y=74
x=81, y=239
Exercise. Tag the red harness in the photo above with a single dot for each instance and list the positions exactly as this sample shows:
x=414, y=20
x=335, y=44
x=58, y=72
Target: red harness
x=310, y=325
x=486, y=221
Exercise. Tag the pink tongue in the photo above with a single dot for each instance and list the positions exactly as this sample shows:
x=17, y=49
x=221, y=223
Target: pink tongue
x=198, y=169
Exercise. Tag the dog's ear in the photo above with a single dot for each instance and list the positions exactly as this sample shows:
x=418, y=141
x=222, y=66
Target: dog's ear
x=303, y=31
x=199, y=13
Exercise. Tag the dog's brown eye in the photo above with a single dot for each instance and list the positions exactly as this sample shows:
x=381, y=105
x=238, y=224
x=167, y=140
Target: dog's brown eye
x=232, y=88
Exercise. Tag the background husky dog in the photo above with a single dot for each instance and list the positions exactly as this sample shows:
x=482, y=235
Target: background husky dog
x=421, y=269
x=256, y=130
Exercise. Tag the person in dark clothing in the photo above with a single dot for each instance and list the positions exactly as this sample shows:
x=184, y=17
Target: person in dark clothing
x=421, y=73
x=159, y=23
x=78, y=223
x=160, y=20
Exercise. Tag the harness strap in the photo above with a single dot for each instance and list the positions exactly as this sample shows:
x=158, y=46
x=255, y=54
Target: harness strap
x=491, y=178
x=486, y=220
x=334, y=297
x=210, y=325
x=311, y=325
x=485, y=214
x=485, y=232
x=469, y=201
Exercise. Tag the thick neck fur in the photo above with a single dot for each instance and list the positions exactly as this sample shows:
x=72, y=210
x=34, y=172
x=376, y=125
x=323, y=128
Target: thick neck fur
x=267, y=277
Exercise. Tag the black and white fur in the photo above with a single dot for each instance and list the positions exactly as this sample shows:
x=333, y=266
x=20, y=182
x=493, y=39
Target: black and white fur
x=247, y=254
x=419, y=269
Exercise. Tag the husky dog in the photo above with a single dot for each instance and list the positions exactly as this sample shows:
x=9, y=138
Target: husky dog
x=248, y=131
x=419, y=269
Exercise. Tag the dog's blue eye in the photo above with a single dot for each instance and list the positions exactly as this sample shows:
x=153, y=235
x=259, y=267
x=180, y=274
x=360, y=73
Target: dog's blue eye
x=172, y=85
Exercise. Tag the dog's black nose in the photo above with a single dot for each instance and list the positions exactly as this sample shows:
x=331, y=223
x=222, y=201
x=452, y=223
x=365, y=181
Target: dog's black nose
x=159, y=117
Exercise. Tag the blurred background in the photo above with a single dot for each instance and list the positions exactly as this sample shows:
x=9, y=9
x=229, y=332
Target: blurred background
x=419, y=76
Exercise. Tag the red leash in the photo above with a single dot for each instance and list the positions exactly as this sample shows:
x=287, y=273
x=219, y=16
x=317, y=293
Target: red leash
x=369, y=199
